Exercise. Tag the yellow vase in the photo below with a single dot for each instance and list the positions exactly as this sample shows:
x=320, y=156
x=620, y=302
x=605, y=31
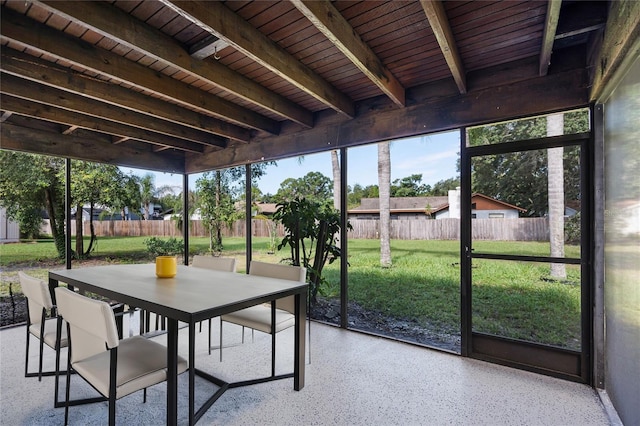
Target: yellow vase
x=166, y=266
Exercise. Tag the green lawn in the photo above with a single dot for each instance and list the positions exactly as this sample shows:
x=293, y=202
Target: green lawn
x=514, y=299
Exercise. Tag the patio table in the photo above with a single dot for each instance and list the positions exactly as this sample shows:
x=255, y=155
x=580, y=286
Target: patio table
x=193, y=295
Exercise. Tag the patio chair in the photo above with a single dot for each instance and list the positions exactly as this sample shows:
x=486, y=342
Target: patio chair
x=114, y=367
x=39, y=303
x=227, y=264
x=259, y=317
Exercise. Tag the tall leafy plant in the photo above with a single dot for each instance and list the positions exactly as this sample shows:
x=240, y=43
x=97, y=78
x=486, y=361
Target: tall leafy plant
x=311, y=231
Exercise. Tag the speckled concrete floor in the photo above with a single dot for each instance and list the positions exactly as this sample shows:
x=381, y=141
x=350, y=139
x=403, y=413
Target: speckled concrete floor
x=354, y=379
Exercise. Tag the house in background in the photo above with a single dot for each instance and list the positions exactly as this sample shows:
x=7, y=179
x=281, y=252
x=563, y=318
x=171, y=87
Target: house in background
x=9, y=229
x=422, y=208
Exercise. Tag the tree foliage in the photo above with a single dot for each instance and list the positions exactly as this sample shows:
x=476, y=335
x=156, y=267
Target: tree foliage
x=29, y=184
x=217, y=194
x=311, y=231
x=314, y=186
x=520, y=178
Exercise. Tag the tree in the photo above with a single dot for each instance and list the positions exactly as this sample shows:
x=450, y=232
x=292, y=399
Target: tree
x=335, y=168
x=555, y=125
x=357, y=193
x=410, y=186
x=93, y=184
x=311, y=232
x=520, y=178
x=216, y=195
x=442, y=187
x=216, y=203
x=384, y=183
x=147, y=194
x=314, y=186
x=29, y=184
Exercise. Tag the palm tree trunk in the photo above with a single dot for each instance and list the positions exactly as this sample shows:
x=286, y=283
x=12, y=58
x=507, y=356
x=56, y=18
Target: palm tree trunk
x=384, y=185
x=555, y=127
x=335, y=166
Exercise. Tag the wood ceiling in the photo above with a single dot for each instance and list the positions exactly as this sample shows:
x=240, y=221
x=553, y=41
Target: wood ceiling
x=195, y=85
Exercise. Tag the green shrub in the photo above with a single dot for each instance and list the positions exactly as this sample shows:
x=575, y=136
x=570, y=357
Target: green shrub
x=159, y=247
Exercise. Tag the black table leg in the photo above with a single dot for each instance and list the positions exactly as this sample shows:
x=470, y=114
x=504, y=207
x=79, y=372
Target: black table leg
x=172, y=372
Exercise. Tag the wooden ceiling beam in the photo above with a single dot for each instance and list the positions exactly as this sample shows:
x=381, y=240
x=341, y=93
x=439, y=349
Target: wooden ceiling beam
x=219, y=20
x=15, y=86
x=539, y=95
x=117, y=25
x=620, y=47
x=328, y=20
x=37, y=141
x=549, y=35
x=27, y=32
x=437, y=17
x=75, y=120
x=44, y=72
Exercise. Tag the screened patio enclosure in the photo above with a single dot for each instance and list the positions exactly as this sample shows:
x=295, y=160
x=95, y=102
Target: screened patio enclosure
x=187, y=87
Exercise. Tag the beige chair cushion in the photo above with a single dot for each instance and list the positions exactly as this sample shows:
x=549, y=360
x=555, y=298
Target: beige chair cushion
x=217, y=263
x=259, y=318
x=141, y=363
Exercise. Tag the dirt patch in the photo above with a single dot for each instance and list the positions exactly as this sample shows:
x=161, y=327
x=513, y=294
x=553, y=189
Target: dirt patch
x=328, y=310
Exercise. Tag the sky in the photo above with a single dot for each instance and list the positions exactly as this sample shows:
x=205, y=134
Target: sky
x=432, y=156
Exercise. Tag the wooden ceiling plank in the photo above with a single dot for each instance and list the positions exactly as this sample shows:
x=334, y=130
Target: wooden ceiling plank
x=44, y=72
x=29, y=33
x=122, y=132
x=40, y=38
x=24, y=139
x=127, y=30
x=337, y=29
x=549, y=35
x=25, y=89
x=437, y=17
x=219, y=20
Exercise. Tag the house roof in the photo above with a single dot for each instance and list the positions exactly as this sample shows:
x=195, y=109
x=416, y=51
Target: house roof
x=189, y=86
x=400, y=204
x=420, y=204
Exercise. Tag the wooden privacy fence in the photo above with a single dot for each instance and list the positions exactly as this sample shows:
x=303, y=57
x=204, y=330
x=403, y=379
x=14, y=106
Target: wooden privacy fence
x=168, y=228
x=523, y=229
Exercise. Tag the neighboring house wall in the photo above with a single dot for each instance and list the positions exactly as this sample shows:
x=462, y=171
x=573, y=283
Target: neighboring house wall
x=9, y=229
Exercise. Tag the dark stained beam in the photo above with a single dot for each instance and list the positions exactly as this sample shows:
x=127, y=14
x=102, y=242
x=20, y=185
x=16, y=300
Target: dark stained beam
x=549, y=35
x=41, y=38
x=74, y=120
x=437, y=17
x=18, y=138
x=620, y=46
x=337, y=29
x=44, y=72
x=221, y=21
x=117, y=25
x=539, y=95
x=15, y=86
